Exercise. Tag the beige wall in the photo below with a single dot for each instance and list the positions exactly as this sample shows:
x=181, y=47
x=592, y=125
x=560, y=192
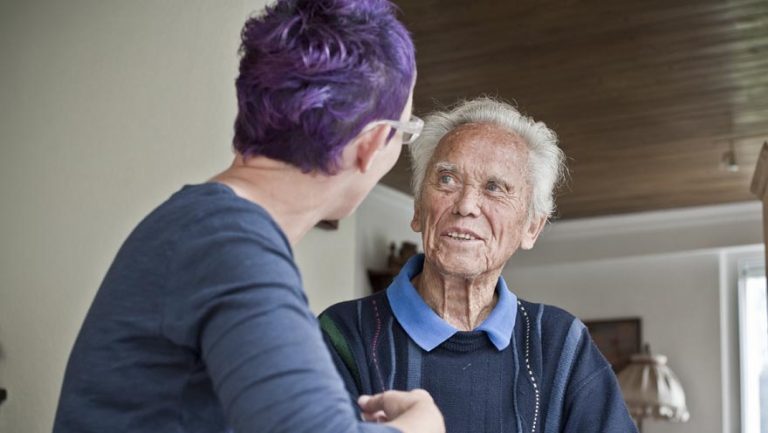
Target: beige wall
x=106, y=108
x=384, y=217
x=326, y=260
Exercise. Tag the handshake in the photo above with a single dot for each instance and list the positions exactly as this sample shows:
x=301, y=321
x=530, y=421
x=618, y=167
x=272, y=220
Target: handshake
x=408, y=411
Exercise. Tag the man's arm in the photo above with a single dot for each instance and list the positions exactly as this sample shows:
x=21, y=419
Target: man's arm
x=594, y=402
x=343, y=357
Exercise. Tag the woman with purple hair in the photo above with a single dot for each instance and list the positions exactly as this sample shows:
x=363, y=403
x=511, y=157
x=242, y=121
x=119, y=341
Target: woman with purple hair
x=201, y=323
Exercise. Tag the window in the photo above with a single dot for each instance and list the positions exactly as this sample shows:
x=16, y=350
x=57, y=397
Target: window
x=753, y=332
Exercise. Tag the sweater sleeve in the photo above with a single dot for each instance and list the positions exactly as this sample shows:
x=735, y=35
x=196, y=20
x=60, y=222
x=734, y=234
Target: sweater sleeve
x=237, y=300
x=594, y=402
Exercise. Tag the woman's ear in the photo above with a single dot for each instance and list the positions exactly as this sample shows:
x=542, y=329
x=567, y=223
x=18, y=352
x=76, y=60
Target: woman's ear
x=368, y=144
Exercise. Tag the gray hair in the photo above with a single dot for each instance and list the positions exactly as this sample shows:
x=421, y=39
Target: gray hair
x=546, y=166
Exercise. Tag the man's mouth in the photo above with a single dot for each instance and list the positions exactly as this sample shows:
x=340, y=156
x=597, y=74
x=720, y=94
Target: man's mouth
x=461, y=236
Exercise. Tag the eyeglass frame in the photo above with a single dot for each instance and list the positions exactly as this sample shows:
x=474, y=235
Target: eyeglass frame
x=414, y=126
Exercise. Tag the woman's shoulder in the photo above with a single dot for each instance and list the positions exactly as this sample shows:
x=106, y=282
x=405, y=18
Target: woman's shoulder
x=211, y=213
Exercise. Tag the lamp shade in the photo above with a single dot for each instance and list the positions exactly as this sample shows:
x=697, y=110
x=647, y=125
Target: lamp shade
x=651, y=389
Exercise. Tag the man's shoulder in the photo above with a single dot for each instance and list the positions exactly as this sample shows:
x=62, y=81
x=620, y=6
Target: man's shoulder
x=346, y=327
x=547, y=318
x=351, y=313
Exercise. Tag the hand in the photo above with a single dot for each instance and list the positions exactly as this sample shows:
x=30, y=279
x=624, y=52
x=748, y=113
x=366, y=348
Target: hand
x=409, y=411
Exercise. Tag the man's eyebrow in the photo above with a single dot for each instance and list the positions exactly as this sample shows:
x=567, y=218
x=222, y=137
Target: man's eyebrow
x=501, y=181
x=446, y=166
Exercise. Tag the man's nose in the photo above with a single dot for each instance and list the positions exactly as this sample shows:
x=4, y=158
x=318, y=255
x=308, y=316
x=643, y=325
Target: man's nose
x=468, y=202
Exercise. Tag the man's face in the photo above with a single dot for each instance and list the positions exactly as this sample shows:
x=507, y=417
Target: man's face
x=473, y=208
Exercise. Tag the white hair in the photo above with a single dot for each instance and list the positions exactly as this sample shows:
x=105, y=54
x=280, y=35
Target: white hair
x=546, y=166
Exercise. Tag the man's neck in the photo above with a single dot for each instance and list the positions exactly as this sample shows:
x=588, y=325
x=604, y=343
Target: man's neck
x=462, y=302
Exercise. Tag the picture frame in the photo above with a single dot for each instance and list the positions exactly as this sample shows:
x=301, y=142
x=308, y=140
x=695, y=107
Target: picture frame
x=618, y=339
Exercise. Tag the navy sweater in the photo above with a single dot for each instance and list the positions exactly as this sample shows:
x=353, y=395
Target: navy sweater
x=551, y=378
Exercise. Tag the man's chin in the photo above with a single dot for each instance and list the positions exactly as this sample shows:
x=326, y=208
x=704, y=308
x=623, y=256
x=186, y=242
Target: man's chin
x=463, y=267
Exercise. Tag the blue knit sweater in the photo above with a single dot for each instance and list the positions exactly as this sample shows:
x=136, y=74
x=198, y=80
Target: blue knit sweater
x=202, y=326
x=547, y=377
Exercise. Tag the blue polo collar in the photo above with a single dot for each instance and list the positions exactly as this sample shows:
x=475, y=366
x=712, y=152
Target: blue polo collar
x=428, y=329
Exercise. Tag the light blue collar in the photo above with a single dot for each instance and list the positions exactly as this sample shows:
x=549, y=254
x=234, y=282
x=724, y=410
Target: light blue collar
x=428, y=329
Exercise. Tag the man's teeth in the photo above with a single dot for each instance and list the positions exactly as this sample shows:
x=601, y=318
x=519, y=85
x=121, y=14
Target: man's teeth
x=462, y=236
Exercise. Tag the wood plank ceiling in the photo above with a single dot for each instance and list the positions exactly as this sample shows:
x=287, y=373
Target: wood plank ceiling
x=646, y=96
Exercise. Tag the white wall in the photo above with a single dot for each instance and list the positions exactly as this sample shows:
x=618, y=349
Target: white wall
x=684, y=292
x=326, y=260
x=106, y=108
x=651, y=233
x=383, y=217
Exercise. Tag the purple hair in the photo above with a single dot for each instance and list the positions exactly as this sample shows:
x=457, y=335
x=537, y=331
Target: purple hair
x=313, y=73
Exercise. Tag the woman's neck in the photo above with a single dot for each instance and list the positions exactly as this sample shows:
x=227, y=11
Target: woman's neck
x=297, y=201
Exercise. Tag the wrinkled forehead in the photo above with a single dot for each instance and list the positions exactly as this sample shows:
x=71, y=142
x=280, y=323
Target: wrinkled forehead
x=482, y=145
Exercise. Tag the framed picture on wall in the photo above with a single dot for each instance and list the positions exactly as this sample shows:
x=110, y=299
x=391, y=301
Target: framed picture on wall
x=617, y=339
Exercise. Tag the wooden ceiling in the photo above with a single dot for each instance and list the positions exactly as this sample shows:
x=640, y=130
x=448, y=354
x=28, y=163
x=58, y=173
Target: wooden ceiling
x=646, y=96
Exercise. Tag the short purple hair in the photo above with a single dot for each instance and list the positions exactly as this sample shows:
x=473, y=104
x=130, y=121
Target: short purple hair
x=313, y=73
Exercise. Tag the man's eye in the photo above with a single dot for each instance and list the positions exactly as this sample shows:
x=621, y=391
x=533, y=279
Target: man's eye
x=446, y=179
x=493, y=187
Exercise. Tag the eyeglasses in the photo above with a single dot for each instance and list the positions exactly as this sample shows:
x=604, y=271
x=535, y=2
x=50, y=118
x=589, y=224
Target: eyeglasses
x=410, y=129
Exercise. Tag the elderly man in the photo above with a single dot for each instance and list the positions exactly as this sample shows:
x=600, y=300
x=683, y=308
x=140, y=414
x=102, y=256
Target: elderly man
x=483, y=182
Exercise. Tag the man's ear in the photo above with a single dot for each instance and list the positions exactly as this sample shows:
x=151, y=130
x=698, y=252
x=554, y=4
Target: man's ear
x=368, y=144
x=533, y=228
x=416, y=220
